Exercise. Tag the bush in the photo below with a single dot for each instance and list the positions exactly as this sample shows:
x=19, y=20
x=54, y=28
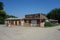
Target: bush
x=48, y=24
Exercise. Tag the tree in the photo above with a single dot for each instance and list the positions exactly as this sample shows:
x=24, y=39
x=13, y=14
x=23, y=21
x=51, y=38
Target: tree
x=3, y=14
x=1, y=5
x=54, y=14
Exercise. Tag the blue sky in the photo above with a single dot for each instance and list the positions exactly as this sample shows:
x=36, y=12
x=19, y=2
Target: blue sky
x=20, y=8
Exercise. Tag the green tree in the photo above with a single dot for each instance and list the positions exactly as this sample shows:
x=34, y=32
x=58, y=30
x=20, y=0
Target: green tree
x=3, y=14
x=1, y=5
x=54, y=14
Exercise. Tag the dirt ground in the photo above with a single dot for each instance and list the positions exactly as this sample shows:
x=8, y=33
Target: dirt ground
x=29, y=33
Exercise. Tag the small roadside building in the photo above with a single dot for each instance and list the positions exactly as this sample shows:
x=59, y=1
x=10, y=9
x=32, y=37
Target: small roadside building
x=35, y=20
x=12, y=21
x=29, y=20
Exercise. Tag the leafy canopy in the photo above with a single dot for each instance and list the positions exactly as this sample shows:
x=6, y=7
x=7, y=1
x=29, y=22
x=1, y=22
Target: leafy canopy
x=54, y=14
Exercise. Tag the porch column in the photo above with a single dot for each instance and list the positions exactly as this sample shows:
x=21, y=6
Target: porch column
x=8, y=23
x=42, y=23
x=14, y=22
x=22, y=22
x=27, y=23
x=17, y=22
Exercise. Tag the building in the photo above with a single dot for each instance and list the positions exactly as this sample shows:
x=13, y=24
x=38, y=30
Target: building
x=35, y=19
x=12, y=21
x=53, y=21
x=29, y=20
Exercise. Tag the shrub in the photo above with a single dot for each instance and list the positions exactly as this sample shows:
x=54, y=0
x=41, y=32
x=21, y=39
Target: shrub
x=48, y=24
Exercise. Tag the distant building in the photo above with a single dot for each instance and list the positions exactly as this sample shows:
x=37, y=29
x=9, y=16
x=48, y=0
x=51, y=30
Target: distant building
x=29, y=20
x=53, y=21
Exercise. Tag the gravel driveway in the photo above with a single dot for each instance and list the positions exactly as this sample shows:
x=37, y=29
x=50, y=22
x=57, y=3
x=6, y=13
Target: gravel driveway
x=29, y=33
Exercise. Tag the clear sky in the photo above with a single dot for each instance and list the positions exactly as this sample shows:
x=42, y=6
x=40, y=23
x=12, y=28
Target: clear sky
x=20, y=8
